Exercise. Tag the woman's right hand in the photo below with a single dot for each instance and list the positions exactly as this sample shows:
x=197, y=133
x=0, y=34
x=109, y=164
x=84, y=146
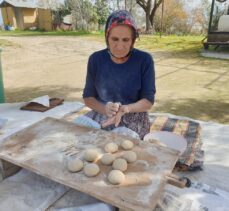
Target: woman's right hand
x=116, y=119
x=112, y=109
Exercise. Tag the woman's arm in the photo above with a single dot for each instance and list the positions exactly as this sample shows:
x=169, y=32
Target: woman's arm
x=109, y=109
x=142, y=105
x=95, y=105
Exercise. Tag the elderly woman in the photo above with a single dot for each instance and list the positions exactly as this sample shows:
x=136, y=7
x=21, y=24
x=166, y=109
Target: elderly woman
x=120, y=82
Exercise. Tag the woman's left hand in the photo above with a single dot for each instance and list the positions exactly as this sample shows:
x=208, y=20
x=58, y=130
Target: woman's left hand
x=123, y=109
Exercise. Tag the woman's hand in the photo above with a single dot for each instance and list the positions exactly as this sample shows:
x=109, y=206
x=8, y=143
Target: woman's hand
x=123, y=109
x=142, y=105
x=112, y=109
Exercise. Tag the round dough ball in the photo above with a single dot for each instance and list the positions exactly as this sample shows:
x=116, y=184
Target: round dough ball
x=120, y=164
x=111, y=147
x=74, y=165
x=91, y=154
x=91, y=169
x=116, y=177
x=107, y=159
x=130, y=156
x=127, y=144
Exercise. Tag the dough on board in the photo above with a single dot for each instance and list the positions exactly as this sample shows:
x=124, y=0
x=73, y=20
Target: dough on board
x=116, y=177
x=107, y=159
x=120, y=164
x=130, y=156
x=127, y=144
x=111, y=147
x=91, y=169
x=74, y=164
x=91, y=155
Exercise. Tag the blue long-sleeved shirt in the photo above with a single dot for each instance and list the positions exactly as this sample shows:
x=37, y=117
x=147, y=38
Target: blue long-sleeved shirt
x=125, y=83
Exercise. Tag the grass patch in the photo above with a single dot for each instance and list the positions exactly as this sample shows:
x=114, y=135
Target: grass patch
x=44, y=33
x=4, y=43
x=172, y=43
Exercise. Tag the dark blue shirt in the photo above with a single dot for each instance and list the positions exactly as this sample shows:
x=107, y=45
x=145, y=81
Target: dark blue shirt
x=125, y=83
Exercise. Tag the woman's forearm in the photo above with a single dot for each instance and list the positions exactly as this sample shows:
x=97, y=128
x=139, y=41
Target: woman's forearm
x=142, y=105
x=95, y=105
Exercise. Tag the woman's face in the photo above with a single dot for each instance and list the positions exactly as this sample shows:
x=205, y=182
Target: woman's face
x=120, y=40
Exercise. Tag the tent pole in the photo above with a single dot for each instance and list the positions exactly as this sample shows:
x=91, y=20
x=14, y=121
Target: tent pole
x=2, y=97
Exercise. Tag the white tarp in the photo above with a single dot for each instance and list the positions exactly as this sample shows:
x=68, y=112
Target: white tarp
x=19, y=119
x=209, y=191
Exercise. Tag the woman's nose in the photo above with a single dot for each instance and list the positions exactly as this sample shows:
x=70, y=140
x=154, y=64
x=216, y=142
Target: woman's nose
x=120, y=45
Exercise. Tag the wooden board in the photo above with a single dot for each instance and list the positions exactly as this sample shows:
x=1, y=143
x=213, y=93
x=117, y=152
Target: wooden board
x=7, y=169
x=44, y=147
x=33, y=106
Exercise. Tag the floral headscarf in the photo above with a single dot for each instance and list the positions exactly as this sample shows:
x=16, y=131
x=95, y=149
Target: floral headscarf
x=120, y=17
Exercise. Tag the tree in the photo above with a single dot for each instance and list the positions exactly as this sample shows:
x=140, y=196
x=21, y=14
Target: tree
x=59, y=13
x=122, y=4
x=150, y=9
x=199, y=17
x=102, y=12
x=83, y=13
x=174, y=19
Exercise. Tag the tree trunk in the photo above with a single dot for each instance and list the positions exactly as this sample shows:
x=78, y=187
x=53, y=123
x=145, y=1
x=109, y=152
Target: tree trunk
x=131, y=6
x=146, y=6
x=147, y=11
x=118, y=5
x=153, y=12
x=147, y=22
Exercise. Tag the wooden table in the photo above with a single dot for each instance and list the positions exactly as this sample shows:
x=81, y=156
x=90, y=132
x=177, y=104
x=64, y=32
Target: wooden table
x=44, y=147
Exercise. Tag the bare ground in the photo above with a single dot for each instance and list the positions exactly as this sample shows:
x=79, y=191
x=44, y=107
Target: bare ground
x=187, y=84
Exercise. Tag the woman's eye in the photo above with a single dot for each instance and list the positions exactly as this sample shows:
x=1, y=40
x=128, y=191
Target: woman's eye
x=126, y=39
x=114, y=39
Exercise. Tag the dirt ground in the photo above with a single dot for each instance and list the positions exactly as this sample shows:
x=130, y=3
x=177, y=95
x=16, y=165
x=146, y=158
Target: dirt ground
x=187, y=84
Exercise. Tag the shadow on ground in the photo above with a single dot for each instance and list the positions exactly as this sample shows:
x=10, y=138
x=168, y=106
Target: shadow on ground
x=205, y=109
x=27, y=93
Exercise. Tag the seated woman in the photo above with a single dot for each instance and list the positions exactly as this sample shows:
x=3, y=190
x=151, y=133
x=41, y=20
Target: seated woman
x=120, y=82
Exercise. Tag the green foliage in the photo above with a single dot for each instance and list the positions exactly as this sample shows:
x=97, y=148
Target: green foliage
x=62, y=11
x=83, y=13
x=102, y=11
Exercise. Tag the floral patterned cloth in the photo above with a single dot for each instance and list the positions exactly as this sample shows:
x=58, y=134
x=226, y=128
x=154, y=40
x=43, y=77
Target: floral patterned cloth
x=138, y=122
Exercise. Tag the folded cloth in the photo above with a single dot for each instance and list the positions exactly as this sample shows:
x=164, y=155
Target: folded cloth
x=126, y=132
x=204, y=197
x=35, y=106
x=2, y=122
x=193, y=156
x=90, y=207
x=86, y=121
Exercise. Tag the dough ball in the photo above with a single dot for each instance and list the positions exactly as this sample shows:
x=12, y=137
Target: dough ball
x=74, y=164
x=120, y=164
x=107, y=159
x=116, y=177
x=111, y=147
x=130, y=156
x=91, y=154
x=127, y=144
x=91, y=169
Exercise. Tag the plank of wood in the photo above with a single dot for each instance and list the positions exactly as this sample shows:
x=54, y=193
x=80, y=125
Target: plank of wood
x=7, y=169
x=33, y=106
x=44, y=147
